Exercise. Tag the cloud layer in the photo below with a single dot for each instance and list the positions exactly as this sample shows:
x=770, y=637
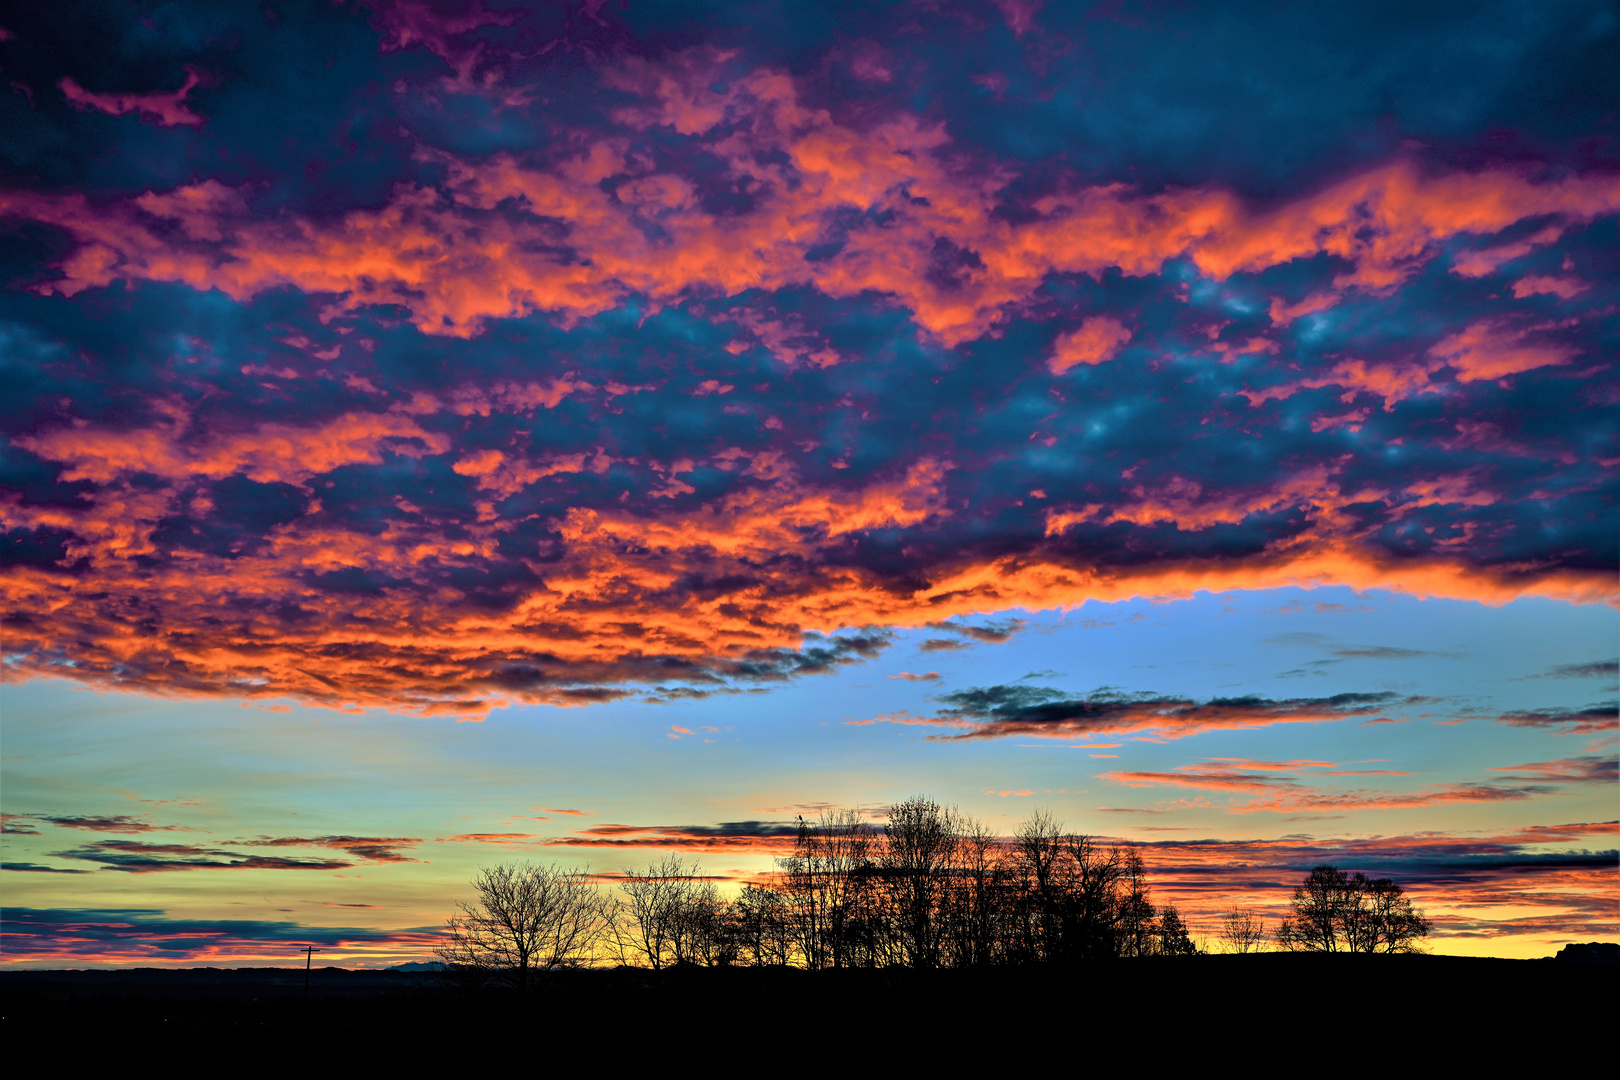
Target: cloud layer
x=572, y=358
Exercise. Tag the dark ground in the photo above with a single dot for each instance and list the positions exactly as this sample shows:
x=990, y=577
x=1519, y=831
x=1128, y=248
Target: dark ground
x=1282, y=1009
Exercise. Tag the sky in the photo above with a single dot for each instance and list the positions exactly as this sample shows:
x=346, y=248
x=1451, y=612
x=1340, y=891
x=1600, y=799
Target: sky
x=438, y=434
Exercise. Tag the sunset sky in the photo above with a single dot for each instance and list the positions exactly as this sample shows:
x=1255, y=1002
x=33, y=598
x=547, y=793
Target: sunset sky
x=437, y=434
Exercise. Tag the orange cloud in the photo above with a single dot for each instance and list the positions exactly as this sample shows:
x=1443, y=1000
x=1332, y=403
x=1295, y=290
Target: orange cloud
x=1392, y=381
x=1456, y=490
x=1184, y=503
x=392, y=616
x=1485, y=261
x=1489, y=351
x=1388, y=221
x=1283, y=313
x=1227, y=774
x=1482, y=350
x=168, y=110
x=742, y=837
x=1098, y=340
x=1288, y=794
x=269, y=453
x=429, y=651
x=1564, y=288
x=568, y=245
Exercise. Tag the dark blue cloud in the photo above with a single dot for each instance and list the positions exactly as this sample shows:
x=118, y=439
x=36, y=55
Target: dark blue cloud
x=138, y=857
x=129, y=933
x=1000, y=711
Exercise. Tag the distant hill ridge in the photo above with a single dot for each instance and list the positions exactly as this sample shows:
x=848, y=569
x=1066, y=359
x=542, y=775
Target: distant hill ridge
x=1592, y=952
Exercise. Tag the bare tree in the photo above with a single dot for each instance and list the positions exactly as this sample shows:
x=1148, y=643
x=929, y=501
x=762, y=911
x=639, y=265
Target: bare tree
x=935, y=890
x=977, y=911
x=656, y=921
x=828, y=886
x=803, y=890
x=760, y=922
x=917, y=865
x=527, y=918
x=710, y=932
x=1397, y=926
x=1243, y=930
x=1092, y=903
x=1317, y=923
x=1338, y=912
x=1035, y=861
x=1138, y=926
x=1066, y=893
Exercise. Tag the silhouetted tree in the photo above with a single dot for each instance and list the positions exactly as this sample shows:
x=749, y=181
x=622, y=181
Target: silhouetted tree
x=1338, y=912
x=527, y=918
x=1317, y=922
x=664, y=910
x=1138, y=925
x=760, y=921
x=1243, y=930
x=1066, y=894
x=1391, y=923
x=937, y=889
x=827, y=882
x=977, y=908
x=1091, y=923
x=710, y=932
x=917, y=867
x=1037, y=889
x=1170, y=936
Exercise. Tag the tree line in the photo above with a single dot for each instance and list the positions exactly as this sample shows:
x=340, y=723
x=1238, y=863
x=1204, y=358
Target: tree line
x=931, y=889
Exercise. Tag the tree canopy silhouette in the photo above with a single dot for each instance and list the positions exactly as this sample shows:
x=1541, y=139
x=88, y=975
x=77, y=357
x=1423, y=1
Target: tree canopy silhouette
x=931, y=889
x=527, y=918
x=1338, y=912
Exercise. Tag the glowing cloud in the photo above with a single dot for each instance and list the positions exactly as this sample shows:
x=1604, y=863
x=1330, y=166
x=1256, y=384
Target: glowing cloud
x=712, y=361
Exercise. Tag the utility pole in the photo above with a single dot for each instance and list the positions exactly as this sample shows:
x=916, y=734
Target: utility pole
x=309, y=955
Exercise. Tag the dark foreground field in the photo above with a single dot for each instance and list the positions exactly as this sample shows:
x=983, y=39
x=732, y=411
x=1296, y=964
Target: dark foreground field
x=1246, y=1010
